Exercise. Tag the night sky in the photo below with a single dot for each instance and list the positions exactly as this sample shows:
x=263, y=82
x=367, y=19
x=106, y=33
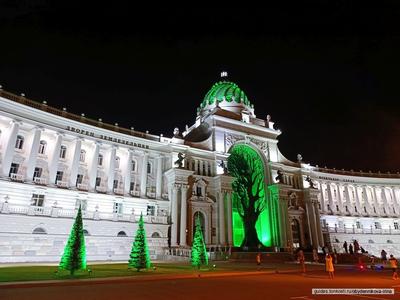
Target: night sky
x=326, y=71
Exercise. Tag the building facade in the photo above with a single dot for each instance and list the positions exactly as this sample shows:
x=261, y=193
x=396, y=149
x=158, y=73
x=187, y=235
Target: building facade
x=52, y=162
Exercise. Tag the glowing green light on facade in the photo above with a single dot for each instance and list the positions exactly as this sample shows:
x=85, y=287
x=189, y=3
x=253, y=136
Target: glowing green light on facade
x=199, y=252
x=140, y=257
x=74, y=257
x=255, y=207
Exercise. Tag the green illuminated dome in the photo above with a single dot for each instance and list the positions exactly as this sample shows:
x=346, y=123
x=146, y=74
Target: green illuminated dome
x=226, y=95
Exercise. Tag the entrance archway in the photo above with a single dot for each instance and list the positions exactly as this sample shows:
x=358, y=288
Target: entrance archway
x=296, y=234
x=199, y=215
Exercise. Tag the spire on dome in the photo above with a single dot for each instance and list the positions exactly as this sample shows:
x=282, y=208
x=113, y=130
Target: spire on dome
x=224, y=75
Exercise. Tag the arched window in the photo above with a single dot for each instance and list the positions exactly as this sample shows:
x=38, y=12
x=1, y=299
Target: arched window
x=148, y=168
x=63, y=151
x=19, y=143
x=155, y=235
x=85, y=232
x=371, y=241
x=117, y=161
x=39, y=230
x=100, y=160
x=42, y=147
x=122, y=233
x=133, y=165
x=82, y=157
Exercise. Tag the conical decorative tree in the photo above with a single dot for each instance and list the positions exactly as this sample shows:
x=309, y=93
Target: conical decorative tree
x=199, y=252
x=140, y=258
x=74, y=257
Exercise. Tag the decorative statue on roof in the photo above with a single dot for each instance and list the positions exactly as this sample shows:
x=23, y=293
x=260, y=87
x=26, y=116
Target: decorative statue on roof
x=223, y=166
x=299, y=158
x=177, y=134
x=180, y=159
x=311, y=182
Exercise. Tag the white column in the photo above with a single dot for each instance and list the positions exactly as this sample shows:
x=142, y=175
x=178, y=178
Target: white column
x=159, y=178
x=93, y=166
x=174, y=215
x=75, y=162
x=183, y=226
x=376, y=202
x=366, y=202
x=205, y=168
x=323, y=201
x=128, y=170
x=111, y=169
x=55, y=156
x=358, y=204
x=10, y=146
x=143, y=175
x=340, y=198
x=384, y=201
x=348, y=199
x=221, y=218
x=396, y=199
x=229, y=218
x=31, y=160
x=201, y=167
x=330, y=198
x=196, y=166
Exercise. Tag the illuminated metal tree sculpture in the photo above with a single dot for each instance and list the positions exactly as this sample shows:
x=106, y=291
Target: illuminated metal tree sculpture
x=139, y=257
x=199, y=252
x=248, y=186
x=74, y=257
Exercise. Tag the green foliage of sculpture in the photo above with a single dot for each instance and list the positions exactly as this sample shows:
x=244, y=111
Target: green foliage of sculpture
x=74, y=257
x=199, y=252
x=140, y=257
x=249, y=198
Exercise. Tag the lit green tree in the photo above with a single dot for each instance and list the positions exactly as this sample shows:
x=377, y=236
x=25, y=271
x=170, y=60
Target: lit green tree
x=247, y=169
x=139, y=257
x=74, y=257
x=199, y=252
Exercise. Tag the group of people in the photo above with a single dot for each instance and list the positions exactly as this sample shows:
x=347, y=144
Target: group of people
x=353, y=249
x=328, y=262
x=392, y=262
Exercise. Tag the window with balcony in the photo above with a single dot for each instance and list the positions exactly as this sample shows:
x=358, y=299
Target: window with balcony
x=63, y=151
x=13, y=169
x=98, y=181
x=117, y=161
x=37, y=200
x=82, y=156
x=117, y=209
x=115, y=184
x=42, y=147
x=59, y=176
x=37, y=173
x=100, y=160
x=19, y=143
x=79, y=179
x=132, y=186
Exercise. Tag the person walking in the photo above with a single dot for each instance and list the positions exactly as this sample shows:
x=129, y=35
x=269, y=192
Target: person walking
x=335, y=256
x=393, y=265
x=329, y=265
x=383, y=256
x=345, y=247
x=356, y=246
x=258, y=259
x=301, y=260
x=351, y=249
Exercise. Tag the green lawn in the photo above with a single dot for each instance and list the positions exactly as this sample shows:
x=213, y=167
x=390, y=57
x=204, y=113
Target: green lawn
x=29, y=273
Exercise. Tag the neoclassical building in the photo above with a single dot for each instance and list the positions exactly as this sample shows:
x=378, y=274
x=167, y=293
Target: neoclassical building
x=53, y=161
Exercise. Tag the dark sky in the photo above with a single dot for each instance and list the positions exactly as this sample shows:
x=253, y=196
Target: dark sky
x=326, y=71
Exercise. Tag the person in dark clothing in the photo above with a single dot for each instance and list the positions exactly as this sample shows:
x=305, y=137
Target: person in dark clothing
x=383, y=256
x=345, y=247
x=351, y=249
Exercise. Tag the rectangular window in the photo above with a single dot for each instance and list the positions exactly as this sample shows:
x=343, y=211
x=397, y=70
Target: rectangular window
x=14, y=169
x=117, y=208
x=151, y=210
x=358, y=225
x=100, y=160
x=115, y=184
x=79, y=179
x=396, y=225
x=132, y=186
x=377, y=225
x=98, y=181
x=347, y=209
x=63, y=151
x=337, y=207
x=59, y=176
x=37, y=200
x=37, y=173
x=82, y=202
